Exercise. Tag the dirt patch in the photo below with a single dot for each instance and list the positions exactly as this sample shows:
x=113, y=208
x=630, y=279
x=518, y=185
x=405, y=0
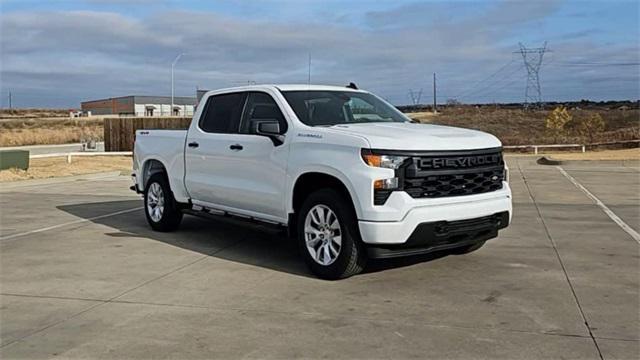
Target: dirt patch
x=58, y=166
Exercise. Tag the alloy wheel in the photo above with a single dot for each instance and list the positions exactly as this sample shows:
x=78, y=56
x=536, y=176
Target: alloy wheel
x=323, y=234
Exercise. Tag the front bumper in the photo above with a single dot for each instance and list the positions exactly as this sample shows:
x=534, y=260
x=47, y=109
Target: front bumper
x=399, y=232
x=441, y=235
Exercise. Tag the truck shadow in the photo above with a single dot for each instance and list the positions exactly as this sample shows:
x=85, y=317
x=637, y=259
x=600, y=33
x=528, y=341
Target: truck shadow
x=224, y=238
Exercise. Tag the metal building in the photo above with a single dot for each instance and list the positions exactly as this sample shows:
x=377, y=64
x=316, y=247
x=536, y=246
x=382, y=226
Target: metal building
x=135, y=105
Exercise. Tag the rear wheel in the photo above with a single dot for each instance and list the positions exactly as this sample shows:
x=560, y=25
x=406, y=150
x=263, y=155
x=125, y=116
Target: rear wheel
x=328, y=236
x=160, y=207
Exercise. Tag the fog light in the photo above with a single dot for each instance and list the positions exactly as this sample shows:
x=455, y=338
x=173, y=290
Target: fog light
x=385, y=184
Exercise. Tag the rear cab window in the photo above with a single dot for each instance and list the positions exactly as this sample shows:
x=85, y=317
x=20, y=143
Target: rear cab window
x=222, y=113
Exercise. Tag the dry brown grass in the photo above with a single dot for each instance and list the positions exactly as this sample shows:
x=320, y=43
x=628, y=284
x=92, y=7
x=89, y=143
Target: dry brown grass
x=520, y=127
x=19, y=132
x=512, y=126
x=55, y=167
x=33, y=113
x=624, y=154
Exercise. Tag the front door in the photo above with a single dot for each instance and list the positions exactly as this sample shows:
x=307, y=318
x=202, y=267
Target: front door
x=231, y=167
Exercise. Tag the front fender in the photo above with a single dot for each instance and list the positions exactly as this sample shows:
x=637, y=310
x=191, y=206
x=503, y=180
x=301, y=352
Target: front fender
x=327, y=170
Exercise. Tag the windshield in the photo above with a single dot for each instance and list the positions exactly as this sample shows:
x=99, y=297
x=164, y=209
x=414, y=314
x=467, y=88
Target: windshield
x=326, y=108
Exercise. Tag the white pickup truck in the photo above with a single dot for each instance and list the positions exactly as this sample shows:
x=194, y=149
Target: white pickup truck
x=349, y=175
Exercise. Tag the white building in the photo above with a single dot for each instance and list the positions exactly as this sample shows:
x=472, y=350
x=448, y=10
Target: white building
x=136, y=105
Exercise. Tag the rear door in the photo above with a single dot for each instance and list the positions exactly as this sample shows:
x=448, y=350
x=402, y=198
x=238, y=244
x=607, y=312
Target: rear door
x=243, y=171
x=208, y=144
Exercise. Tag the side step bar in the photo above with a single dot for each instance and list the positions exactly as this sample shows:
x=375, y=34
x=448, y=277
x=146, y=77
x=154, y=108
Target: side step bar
x=216, y=214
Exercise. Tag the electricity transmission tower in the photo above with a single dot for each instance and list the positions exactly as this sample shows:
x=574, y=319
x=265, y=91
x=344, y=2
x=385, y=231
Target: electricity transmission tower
x=532, y=61
x=415, y=96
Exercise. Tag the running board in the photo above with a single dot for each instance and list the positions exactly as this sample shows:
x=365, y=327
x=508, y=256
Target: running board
x=217, y=214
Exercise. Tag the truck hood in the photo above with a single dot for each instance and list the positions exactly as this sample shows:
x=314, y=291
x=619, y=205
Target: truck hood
x=412, y=136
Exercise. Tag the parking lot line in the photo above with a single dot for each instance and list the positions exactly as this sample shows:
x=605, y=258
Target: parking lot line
x=13, y=236
x=602, y=206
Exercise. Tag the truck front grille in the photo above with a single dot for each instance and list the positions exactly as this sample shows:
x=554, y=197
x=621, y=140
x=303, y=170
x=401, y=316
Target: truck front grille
x=444, y=174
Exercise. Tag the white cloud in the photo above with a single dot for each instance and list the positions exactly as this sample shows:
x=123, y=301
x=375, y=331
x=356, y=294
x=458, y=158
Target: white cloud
x=89, y=54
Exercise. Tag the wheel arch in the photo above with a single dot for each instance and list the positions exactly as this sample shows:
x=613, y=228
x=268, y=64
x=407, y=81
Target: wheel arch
x=310, y=181
x=150, y=167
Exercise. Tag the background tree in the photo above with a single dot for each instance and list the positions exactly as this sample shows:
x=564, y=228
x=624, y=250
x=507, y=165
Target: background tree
x=556, y=122
x=591, y=126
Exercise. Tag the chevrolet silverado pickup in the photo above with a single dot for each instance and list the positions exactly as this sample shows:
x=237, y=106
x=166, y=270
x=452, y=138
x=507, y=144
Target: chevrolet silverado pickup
x=349, y=176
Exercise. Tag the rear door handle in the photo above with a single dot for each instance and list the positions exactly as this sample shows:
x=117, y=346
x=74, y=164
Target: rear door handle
x=193, y=144
x=236, y=147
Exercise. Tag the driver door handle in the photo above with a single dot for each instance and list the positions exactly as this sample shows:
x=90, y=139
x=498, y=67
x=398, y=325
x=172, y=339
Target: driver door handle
x=236, y=147
x=193, y=144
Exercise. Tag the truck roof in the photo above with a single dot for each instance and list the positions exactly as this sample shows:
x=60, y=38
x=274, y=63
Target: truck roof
x=288, y=87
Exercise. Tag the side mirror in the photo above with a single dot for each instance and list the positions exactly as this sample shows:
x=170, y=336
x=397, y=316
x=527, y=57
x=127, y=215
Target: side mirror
x=271, y=129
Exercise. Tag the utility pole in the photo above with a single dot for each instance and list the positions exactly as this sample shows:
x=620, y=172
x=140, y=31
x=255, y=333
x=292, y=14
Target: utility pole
x=9, y=99
x=173, y=65
x=532, y=58
x=309, y=75
x=435, y=110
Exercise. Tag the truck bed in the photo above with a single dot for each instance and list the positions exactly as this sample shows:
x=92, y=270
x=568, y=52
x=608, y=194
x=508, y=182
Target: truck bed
x=166, y=146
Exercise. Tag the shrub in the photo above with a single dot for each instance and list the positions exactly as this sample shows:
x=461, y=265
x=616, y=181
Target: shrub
x=591, y=126
x=556, y=122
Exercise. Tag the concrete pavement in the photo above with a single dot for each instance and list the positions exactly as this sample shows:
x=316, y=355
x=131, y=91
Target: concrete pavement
x=560, y=282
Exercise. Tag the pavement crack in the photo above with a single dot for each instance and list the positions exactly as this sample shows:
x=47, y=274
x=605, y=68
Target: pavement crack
x=564, y=269
x=52, y=297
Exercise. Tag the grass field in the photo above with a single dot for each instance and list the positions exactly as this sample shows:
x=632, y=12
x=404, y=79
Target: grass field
x=58, y=166
x=520, y=127
x=32, y=113
x=512, y=126
x=39, y=131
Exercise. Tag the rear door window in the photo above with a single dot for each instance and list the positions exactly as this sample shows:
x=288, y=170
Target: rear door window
x=222, y=113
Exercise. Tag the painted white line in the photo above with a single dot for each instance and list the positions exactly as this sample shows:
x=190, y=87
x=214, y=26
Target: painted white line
x=13, y=236
x=634, y=234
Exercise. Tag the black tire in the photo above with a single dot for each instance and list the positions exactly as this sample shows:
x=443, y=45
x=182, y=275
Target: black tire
x=467, y=249
x=351, y=258
x=171, y=214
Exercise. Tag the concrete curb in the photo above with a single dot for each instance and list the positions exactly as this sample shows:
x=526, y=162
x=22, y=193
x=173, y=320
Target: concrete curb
x=56, y=180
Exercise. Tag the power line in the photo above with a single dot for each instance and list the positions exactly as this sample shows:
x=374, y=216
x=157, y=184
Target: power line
x=502, y=87
x=490, y=85
x=597, y=64
x=463, y=93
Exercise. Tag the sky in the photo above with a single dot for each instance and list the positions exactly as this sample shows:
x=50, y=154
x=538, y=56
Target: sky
x=58, y=53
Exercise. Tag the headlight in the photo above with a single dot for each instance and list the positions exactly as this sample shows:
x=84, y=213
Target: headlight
x=383, y=161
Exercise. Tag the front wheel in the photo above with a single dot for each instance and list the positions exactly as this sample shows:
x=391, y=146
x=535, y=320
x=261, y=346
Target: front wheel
x=328, y=236
x=160, y=207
